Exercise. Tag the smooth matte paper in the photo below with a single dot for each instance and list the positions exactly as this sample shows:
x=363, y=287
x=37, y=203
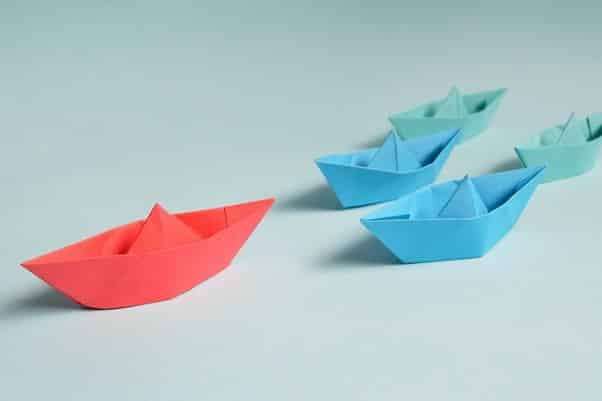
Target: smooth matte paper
x=150, y=260
x=454, y=220
x=386, y=173
x=470, y=112
x=567, y=150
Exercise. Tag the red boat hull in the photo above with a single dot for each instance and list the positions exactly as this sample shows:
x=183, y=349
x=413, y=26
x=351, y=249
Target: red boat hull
x=110, y=279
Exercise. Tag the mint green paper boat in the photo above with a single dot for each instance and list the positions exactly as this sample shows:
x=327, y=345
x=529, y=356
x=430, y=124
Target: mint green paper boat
x=567, y=150
x=471, y=112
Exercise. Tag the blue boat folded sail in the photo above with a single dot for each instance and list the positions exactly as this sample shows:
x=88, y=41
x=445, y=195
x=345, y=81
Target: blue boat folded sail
x=568, y=150
x=386, y=173
x=454, y=220
x=464, y=202
x=471, y=112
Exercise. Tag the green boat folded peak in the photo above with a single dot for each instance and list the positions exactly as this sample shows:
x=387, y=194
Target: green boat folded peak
x=472, y=113
x=568, y=149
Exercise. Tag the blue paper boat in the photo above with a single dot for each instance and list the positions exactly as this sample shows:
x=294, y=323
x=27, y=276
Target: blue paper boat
x=458, y=219
x=471, y=112
x=386, y=173
x=566, y=150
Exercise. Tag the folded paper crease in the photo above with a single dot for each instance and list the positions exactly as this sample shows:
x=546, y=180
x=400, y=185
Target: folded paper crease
x=472, y=112
x=568, y=149
x=149, y=260
x=454, y=220
x=394, y=169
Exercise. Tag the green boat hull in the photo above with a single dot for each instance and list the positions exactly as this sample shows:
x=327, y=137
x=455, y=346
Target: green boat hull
x=418, y=122
x=561, y=161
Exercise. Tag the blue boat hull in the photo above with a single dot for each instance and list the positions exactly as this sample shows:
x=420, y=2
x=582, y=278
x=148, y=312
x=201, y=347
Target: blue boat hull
x=428, y=240
x=355, y=186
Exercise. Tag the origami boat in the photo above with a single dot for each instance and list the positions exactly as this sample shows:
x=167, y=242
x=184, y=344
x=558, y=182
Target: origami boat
x=386, y=173
x=455, y=220
x=149, y=260
x=472, y=113
x=567, y=150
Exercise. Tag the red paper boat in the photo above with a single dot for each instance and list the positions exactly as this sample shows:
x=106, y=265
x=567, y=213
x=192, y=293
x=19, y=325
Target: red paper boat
x=149, y=260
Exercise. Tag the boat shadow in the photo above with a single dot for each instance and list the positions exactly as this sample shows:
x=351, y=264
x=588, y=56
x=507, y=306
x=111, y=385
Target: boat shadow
x=39, y=302
x=504, y=165
x=372, y=142
x=362, y=252
x=318, y=197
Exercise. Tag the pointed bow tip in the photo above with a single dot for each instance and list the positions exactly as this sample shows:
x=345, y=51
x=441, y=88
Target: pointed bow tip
x=366, y=221
x=539, y=169
x=377, y=215
x=264, y=205
x=256, y=204
x=32, y=262
x=399, y=116
x=534, y=170
x=270, y=201
x=455, y=136
x=499, y=92
x=323, y=161
x=32, y=265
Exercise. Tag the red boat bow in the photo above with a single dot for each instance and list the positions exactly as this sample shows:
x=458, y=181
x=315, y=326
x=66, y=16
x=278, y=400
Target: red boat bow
x=150, y=260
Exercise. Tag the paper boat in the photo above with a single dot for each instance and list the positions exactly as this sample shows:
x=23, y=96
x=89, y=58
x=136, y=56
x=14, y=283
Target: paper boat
x=386, y=173
x=149, y=260
x=567, y=150
x=472, y=113
x=455, y=220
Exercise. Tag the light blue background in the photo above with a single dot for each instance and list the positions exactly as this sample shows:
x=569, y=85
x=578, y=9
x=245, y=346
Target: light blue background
x=107, y=107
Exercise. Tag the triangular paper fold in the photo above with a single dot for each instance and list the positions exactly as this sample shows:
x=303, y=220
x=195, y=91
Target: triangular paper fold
x=411, y=228
x=184, y=249
x=452, y=106
x=378, y=175
x=574, y=131
x=594, y=124
x=465, y=202
x=551, y=136
x=567, y=150
x=161, y=230
x=394, y=155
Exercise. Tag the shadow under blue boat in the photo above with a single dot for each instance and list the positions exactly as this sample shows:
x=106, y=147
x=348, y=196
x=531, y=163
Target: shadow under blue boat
x=373, y=142
x=365, y=251
x=511, y=163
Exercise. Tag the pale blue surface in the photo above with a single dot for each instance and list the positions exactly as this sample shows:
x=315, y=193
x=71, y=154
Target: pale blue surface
x=109, y=107
x=386, y=173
